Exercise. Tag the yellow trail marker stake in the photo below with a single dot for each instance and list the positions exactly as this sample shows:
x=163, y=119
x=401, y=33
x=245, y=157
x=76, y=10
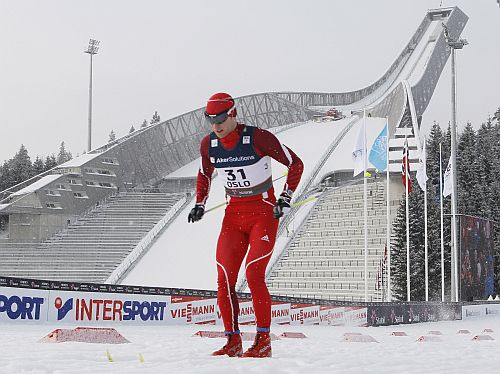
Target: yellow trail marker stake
x=141, y=358
x=108, y=355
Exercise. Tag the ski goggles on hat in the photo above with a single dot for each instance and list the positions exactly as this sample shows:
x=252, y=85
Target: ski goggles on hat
x=215, y=119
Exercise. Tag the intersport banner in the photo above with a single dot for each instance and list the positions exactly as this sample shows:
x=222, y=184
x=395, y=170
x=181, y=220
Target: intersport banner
x=96, y=307
x=23, y=305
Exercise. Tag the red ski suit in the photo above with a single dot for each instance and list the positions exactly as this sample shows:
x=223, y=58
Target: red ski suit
x=248, y=226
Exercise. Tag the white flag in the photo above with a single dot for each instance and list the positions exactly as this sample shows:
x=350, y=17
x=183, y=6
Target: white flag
x=358, y=153
x=422, y=169
x=448, y=180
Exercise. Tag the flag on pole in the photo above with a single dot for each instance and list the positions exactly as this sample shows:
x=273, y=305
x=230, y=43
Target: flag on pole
x=378, y=153
x=448, y=180
x=358, y=153
x=406, y=166
x=422, y=169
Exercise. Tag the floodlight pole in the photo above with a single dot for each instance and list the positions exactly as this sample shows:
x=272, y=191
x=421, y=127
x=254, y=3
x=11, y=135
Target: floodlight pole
x=454, y=44
x=91, y=50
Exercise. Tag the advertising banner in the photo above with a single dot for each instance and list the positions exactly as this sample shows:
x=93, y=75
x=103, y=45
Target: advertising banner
x=192, y=309
x=23, y=305
x=98, y=308
x=280, y=314
x=356, y=316
x=332, y=315
x=484, y=310
x=40, y=301
x=246, y=315
x=477, y=278
x=473, y=311
x=492, y=310
x=302, y=314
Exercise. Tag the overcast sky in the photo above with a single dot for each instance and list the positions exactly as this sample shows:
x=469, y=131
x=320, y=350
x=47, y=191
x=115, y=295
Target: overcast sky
x=170, y=56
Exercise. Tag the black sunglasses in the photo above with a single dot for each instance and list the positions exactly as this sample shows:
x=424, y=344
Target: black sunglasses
x=215, y=119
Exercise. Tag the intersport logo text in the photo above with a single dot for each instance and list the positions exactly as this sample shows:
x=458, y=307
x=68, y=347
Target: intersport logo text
x=110, y=309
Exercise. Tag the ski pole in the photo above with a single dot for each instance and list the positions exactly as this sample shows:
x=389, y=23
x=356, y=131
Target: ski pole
x=215, y=207
x=299, y=203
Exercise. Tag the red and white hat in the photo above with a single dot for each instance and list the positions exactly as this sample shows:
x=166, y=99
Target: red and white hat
x=219, y=103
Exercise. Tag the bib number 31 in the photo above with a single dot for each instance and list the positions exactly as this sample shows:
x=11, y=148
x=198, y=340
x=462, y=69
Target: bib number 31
x=234, y=181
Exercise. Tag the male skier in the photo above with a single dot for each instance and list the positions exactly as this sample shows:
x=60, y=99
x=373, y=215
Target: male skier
x=242, y=155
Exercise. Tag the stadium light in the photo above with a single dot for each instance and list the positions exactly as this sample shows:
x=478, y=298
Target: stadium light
x=454, y=45
x=92, y=49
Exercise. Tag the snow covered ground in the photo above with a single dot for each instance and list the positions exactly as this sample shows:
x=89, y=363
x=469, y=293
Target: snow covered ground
x=173, y=349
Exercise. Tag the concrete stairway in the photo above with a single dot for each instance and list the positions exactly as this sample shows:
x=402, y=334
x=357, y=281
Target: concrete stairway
x=326, y=258
x=91, y=248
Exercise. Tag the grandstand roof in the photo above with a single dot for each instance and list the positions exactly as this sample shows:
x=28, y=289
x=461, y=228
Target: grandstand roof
x=42, y=182
x=79, y=161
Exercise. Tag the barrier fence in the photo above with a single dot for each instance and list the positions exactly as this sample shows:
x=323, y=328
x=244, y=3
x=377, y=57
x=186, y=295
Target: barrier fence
x=45, y=301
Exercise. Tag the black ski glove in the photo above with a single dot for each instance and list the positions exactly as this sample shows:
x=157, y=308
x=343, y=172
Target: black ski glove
x=282, y=206
x=196, y=213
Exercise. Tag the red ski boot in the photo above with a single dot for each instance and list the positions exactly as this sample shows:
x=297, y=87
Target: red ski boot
x=261, y=346
x=233, y=347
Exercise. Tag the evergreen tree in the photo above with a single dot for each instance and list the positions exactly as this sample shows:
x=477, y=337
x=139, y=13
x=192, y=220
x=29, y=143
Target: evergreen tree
x=112, y=136
x=446, y=147
x=38, y=166
x=398, y=254
x=6, y=176
x=144, y=124
x=21, y=166
x=495, y=190
x=484, y=154
x=63, y=154
x=433, y=140
x=156, y=118
x=478, y=169
x=417, y=252
x=417, y=243
x=132, y=129
x=417, y=233
x=50, y=162
x=447, y=207
x=434, y=245
x=467, y=173
x=434, y=216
